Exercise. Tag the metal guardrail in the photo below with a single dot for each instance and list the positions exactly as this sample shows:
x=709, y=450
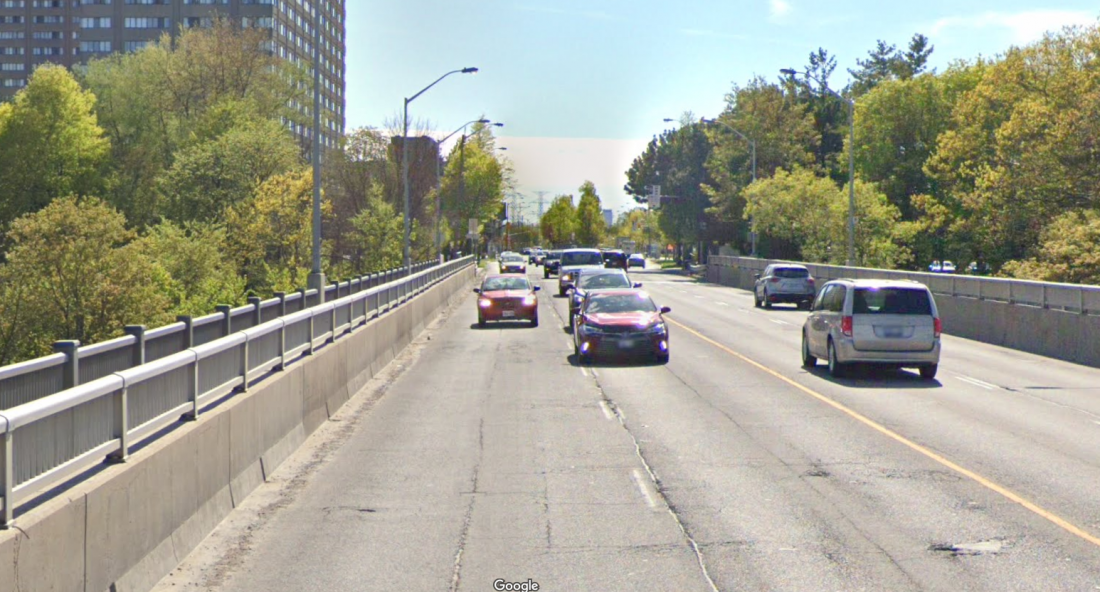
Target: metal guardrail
x=26, y=381
x=1067, y=297
x=55, y=435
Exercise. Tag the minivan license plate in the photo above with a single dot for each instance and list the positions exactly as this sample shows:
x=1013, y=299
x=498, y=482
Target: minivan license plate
x=892, y=332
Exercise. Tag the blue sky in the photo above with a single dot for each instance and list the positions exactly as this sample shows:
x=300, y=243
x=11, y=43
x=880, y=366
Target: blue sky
x=582, y=85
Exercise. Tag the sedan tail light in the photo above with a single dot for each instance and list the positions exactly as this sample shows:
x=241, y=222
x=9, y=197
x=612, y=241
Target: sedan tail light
x=774, y=280
x=937, y=325
x=846, y=326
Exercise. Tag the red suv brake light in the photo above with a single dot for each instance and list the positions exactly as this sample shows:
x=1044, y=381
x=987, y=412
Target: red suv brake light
x=846, y=326
x=937, y=325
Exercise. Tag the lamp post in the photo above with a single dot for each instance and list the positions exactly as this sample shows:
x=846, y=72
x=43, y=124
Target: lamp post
x=851, y=160
x=316, y=280
x=752, y=147
x=405, y=156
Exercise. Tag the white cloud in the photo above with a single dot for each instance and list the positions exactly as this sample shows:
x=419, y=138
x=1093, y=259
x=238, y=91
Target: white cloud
x=779, y=10
x=1024, y=26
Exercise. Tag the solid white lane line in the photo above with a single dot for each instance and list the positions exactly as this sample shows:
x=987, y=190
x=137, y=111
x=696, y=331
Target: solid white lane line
x=720, y=303
x=977, y=383
x=607, y=412
x=643, y=487
x=779, y=322
x=595, y=373
x=584, y=371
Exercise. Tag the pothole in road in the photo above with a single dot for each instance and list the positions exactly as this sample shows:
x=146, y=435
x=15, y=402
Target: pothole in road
x=987, y=547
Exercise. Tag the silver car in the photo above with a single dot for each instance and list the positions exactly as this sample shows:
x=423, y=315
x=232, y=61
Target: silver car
x=784, y=282
x=882, y=322
x=573, y=260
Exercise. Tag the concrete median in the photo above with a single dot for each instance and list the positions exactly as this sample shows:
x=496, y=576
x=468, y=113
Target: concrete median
x=130, y=525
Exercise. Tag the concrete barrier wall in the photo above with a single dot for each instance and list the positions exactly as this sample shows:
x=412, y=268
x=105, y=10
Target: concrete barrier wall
x=126, y=528
x=1069, y=336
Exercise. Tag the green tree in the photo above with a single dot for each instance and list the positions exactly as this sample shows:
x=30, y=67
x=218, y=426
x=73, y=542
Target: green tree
x=379, y=232
x=201, y=276
x=50, y=144
x=211, y=176
x=1070, y=252
x=73, y=273
x=559, y=224
x=474, y=180
x=271, y=234
x=811, y=212
x=590, y=221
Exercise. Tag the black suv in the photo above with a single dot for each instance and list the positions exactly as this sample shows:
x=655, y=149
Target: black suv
x=615, y=259
x=552, y=264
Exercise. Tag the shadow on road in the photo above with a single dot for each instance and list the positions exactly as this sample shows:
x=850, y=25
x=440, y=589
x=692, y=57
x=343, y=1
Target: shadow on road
x=504, y=325
x=615, y=362
x=863, y=376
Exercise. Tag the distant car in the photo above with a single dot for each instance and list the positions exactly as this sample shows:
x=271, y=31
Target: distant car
x=513, y=263
x=636, y=260
x=614, y=259
x=948, y=267
x=507, y=298
x=540, y=257
x=883, y=322
x=551, y=264
x=596, y=279
x=571, y=261
x=620, y=322
x=935, y=267
x=784, y=282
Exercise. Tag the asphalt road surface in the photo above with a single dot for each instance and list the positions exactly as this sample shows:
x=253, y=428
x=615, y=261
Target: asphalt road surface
x=496, y=457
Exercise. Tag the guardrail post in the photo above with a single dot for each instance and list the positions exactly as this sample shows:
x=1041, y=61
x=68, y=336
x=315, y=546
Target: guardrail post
x=226, y=320
x=193, y=396
x=7, y=464
x=70, y=372
x=122, y=423
x=282, y=330
x=188, y=331
x=304, y=304
x=309, y=351
x=244, y=366
x=332, y=323
x=282, y=303
x=257, y=313
x=138, y=331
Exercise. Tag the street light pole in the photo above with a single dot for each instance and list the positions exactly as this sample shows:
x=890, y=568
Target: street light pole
x=439, y=181
x=851, y=159
x=405, y=158
x=316, y=279
x=752, y=148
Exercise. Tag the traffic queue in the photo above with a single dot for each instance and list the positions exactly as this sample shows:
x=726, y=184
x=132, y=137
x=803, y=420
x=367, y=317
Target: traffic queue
x=609, y=314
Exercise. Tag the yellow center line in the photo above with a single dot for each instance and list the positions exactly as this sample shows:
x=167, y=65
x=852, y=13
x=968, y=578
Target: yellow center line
x=983, y=481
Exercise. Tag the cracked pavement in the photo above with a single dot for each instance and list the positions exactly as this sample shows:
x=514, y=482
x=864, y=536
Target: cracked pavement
x=490, y=454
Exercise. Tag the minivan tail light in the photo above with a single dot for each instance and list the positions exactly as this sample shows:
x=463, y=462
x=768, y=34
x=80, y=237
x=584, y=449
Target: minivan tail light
x=774, y=280
x=846, y=326
x=937, y=325
x=810, y=281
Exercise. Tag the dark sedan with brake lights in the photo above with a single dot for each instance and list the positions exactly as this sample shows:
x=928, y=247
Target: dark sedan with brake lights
x=620, y=322
x=596, y=279
x=507, y=298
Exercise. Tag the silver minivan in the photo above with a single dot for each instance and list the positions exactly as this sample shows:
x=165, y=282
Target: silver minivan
x=883, y=322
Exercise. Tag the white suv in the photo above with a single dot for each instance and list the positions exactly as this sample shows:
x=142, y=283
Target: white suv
x=882, y=322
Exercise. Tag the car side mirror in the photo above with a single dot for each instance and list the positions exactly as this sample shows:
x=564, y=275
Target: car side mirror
x=637, y=284
x=477, y=290
x=537, y=288
x=665, y=310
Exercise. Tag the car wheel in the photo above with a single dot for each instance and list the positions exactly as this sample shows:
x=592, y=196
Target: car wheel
x=836, y=369
x=929, y=372
x=561, y=292
x=767, y=301
x=808, y=360
x=572, y=315
x=481, y=321
x=585, y=358
x=535, y=321
x=545, y=274
x=661, y=358
x=755, y=299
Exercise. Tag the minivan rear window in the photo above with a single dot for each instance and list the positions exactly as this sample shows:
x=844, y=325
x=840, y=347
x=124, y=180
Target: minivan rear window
x=898, y=301
x=791, y=273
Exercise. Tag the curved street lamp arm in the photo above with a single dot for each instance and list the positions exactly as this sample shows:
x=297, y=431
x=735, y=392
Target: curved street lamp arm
x=437, y=80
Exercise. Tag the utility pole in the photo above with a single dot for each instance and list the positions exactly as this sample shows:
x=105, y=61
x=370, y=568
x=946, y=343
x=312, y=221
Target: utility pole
x=316, y=280
x=542, y=195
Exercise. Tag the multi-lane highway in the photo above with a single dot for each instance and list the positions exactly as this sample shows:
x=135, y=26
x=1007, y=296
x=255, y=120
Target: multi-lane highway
x=495, y=457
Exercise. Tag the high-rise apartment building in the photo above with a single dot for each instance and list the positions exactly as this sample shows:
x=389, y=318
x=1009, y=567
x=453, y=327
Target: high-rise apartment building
x=70, y=32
